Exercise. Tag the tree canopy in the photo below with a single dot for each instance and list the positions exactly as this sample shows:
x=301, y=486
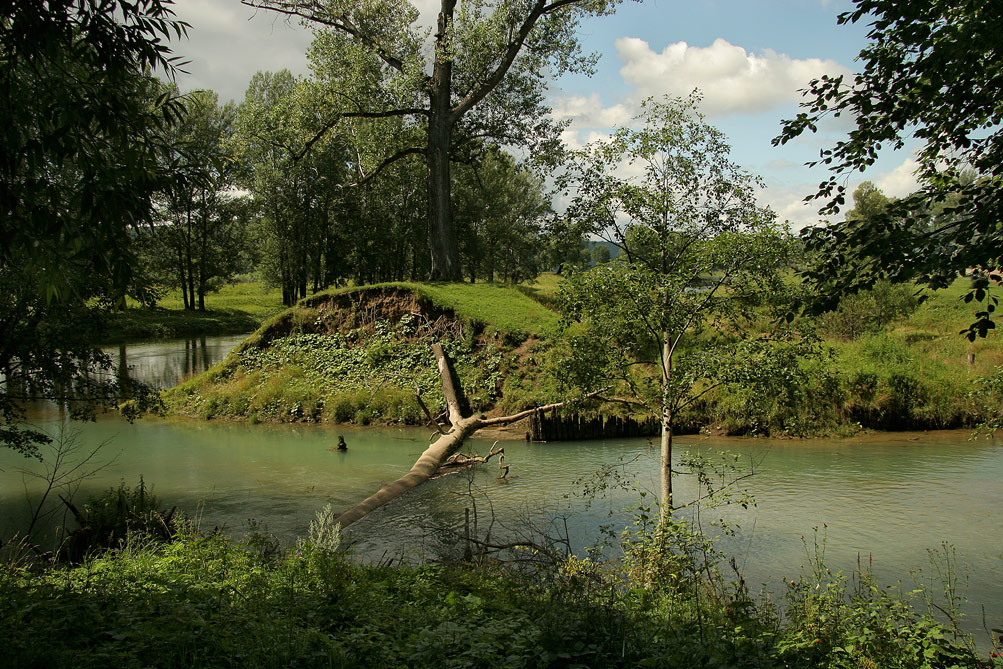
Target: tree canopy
x=81, y=129
x=931, y=71
x=482, y=78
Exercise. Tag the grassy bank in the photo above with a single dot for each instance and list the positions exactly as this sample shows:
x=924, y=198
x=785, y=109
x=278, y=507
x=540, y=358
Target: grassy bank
x=357, y=355
x=911, y=370
x=235, y=309
x=209, y=601
x=361, y=355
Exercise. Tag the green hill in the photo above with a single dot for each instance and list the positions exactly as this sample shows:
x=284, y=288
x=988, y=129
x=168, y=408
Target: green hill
x=360, y=354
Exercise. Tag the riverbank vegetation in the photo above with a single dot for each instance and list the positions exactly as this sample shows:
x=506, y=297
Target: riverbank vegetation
x=884, y=361
x=363, y=355
x=205, y=599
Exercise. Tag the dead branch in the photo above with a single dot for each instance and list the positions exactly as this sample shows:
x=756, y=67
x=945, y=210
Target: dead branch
x=424, y=408
x=433, y=458
x=459, y=459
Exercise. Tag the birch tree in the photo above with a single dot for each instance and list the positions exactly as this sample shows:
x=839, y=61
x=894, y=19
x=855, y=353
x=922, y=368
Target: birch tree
x=678, y=312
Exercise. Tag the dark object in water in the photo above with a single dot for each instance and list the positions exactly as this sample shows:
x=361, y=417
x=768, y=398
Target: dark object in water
x=342, y=446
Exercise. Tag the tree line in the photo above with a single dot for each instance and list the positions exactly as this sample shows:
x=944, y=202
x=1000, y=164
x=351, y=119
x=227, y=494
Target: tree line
x=249, y=195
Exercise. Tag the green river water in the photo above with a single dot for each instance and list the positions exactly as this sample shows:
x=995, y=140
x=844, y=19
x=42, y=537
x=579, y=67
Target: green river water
x=883, y=500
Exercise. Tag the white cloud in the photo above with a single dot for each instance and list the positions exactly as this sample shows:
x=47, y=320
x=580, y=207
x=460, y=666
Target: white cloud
x=588, y=112
x=731, y=79
x=900, y=181
x=788, y=200
x=228, y=42
x=576, y=139
x=781, y=164
x=789, y=205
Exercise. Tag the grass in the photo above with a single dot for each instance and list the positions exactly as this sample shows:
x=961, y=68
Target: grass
x=235, y=309
x=249, y=297
x=496, y=305
x=543, y=288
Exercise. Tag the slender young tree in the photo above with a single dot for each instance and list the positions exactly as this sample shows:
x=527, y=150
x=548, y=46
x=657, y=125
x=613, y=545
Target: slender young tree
x=482, y=76
x=675, y=315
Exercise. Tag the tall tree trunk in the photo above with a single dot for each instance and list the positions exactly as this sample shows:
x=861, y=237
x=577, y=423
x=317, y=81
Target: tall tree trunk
x=441, y=234
x=666, y=443
x=182, y=279
x=189, y=264
x=203, y=249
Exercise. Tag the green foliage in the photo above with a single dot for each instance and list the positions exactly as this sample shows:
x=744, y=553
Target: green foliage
x=675, y=315
x=116, y=517
x=477, y=84
x=869, y=310
x=499, y=208
x=364, y=375
x=84, y=153
x=211, y=601
x=928, y=72
x=836, y=623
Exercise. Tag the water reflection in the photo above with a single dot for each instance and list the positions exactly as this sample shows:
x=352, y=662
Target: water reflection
x=885, y=498
x=165, y=364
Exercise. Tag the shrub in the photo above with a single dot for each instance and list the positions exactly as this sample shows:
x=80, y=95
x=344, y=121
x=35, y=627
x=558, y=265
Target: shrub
x=119, y=514
x=869, y=311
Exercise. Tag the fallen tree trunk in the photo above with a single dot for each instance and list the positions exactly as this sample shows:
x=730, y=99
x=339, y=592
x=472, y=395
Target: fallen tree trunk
x=447, y=444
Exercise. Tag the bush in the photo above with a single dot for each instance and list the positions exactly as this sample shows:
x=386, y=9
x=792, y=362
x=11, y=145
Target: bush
x=869, y=311
x=116, y=516
x=211, y=601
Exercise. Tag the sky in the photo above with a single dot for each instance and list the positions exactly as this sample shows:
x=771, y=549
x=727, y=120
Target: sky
x=748, y=59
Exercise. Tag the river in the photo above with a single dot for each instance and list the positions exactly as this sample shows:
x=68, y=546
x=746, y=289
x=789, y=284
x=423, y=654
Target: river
x=883, y=499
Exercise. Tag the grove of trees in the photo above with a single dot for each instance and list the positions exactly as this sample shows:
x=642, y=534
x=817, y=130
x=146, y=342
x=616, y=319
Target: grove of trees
x=481, y=81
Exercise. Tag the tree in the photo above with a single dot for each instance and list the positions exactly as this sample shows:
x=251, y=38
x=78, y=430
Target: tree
x=82, y=155
x=81, y=132
x=500, y=210
x=931, y=70
x=675, y=315
x=869, y=203
x=202, y=225
x=600, y=254
x=296, y=192
x=483, y=79
x=461, y=425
